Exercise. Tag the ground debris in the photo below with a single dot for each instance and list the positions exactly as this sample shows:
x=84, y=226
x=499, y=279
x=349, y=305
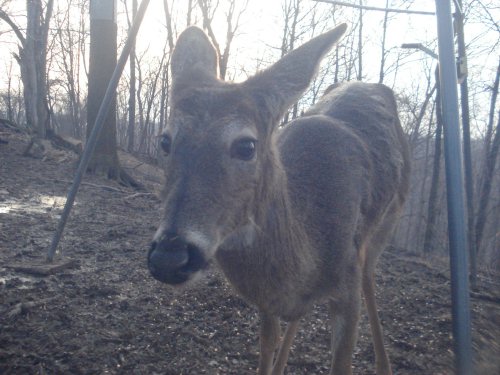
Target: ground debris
x=46, y=269
x=23, y=308
x=105, y=314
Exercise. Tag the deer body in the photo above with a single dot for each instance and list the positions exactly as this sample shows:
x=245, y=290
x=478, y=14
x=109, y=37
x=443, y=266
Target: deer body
x=311, y=251
x=292, y=215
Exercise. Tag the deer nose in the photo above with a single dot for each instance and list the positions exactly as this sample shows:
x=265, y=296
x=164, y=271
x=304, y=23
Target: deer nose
x=173, y=260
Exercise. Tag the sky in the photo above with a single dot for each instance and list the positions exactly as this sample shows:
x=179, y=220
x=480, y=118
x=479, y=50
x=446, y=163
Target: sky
x=259, y=26
x=260, y=31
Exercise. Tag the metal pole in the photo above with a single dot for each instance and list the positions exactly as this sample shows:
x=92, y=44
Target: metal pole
x=455, y=191
x=99, y=122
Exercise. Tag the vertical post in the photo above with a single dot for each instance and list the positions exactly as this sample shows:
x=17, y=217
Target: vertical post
x=102, y=62
x=454, y=191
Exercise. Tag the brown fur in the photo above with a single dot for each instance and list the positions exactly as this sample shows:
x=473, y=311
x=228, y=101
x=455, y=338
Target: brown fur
x=308, y=216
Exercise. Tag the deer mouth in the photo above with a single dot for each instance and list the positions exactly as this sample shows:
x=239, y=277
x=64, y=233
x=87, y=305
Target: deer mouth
x=177, y=264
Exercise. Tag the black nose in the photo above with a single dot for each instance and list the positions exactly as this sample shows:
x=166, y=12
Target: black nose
x=173, y=260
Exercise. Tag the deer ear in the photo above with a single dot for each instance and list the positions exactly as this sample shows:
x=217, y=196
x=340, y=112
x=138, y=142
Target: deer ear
x=194, y=58
x=282, y=84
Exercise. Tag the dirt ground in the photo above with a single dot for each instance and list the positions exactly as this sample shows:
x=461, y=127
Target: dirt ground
x=104, y=314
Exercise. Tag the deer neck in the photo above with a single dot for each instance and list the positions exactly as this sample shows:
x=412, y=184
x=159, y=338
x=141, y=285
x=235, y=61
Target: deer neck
x=271, y=260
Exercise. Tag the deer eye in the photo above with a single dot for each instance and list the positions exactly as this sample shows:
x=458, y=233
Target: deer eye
x=243, y=149
x=165, y=143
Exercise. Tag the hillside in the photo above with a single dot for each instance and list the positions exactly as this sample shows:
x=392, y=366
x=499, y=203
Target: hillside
x=103, y=313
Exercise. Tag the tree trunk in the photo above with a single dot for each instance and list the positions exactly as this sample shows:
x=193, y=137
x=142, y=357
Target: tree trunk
x=484, y=197
x=103, y=58
x=436, y=171
x=469, y=186
x=32, y=62
x=383, y=52
x=131, y=101
x=418, y=244
x=491, y=154
x=189, y=13
x=10, y=109
x=41, y=61
x=360, y=44
x=292, y=11
x=28, y=66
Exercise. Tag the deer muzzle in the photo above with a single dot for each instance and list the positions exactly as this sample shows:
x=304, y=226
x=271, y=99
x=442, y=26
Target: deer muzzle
x=173, y=260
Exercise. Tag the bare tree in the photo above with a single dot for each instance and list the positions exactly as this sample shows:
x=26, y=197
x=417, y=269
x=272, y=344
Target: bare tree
x=132, y=94
x=291, y=13
x=492, y=145
x=32, y=59
x=103, y=60
x=148, y=88
x=232, y=16
x=360, y=43
x=384, y=51
x=168, y=22
x=12, y=100
x=71, y=41
x=436, y=169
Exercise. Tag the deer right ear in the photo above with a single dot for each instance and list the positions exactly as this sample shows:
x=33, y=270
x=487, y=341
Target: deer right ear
x=194, y=59
x=280, y=86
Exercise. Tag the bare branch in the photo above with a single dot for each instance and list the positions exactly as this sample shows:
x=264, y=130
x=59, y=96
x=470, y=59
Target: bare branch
x=4, y=16
x=168, y=22
x=364, y=7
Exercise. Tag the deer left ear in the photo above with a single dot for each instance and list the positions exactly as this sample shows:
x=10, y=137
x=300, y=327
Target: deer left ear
x=282, y=84
x=194, y=59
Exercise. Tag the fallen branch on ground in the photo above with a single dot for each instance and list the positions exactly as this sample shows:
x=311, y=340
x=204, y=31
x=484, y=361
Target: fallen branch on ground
x=45, y=269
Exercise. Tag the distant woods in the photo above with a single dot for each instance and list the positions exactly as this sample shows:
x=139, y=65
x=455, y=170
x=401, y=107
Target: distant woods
x=44, y=86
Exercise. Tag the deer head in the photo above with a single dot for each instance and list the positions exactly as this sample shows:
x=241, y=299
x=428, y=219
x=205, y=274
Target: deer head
x=221, y=162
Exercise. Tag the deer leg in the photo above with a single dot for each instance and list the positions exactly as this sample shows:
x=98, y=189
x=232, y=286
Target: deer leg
x=269, y=340
x=383, y=365
x=281, y=360
x=376, y=246
x=344, y=316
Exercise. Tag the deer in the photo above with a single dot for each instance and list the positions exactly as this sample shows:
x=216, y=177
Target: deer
x=293, y=214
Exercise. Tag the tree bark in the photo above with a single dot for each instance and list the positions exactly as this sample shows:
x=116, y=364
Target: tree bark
x=32, y=61
x=469, y=186
x=484, y=196
x=360, y=44
x=489, y=165
x=103, y=57
x=28, y=67
x=383, y=52
x=131, y=101
x=436, y=171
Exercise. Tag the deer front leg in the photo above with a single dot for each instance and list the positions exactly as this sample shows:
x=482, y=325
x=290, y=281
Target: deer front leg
x=281, y=360
x=269, y=340
x=344, y=317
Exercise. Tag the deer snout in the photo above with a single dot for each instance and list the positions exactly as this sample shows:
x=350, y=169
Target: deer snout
x=173, y=260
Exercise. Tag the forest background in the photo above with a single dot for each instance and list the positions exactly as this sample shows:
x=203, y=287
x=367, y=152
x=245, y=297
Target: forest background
x=44, y=60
